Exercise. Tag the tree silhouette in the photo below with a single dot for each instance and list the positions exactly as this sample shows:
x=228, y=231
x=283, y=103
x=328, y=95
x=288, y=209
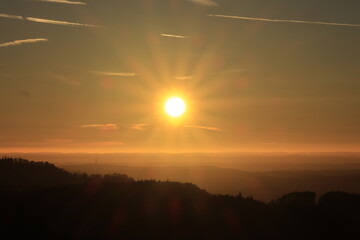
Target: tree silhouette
x=41, y=201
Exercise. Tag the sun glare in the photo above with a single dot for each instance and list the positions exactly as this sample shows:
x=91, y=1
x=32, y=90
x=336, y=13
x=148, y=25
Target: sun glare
x=175, y=107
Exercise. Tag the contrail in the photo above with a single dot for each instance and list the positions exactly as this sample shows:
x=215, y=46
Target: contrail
x=173, y=36
x=204, y=127
x=285, y=21
x=48, y=21
x=4, y=15
x=204, y=2
x=115, y=74
x=41, y=20
x=110, y=126
x=62, y=1
x=26, y=41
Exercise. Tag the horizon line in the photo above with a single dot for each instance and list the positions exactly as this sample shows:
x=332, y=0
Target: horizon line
x=193, y=152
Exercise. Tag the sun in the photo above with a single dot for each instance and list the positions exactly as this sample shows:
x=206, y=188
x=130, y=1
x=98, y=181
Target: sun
x=175, y=107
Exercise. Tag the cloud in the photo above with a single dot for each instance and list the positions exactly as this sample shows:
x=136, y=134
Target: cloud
x=139, y=126
x=285, y=21
x=56, y=141
x=4, y=15
x=25, y=41
x=115, y=74
x=48, y=21
x=56, y=22
x=62, y=1
x=183, y=77
x=64, y=79
x=204, y=127
x=173, y=36
x=204, y=2
x=108, y=143
x=101, y=126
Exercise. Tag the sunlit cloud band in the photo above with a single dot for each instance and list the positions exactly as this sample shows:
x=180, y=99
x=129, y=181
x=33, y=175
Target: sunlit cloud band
x=101, y=126
x=173, y=36
x=204, y=2
x=204, y=127
x=64, y=79
x=62, y=1
x=48, y=21
x=139, y=126
x=183, y=77
x=108, y=143
x=4, y=15
x=115, y=74
x=285, y=20
x=25, y=41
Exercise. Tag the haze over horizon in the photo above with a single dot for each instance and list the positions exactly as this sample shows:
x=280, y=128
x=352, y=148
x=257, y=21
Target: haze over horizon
x=254, y=76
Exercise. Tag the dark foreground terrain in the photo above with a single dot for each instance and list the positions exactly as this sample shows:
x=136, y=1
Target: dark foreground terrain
x=41, y=201
x=263, y=186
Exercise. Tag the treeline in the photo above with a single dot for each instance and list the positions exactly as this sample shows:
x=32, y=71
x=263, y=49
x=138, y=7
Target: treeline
x=18, y=173
x=80, y=206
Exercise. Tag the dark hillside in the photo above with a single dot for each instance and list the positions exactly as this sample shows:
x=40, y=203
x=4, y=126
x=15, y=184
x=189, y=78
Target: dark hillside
x=73, y=206
x=18, y=173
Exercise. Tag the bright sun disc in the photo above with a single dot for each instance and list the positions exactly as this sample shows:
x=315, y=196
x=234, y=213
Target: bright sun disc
x=175, y=107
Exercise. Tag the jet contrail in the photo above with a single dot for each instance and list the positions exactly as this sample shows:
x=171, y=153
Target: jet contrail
x=115, y=74
x=4, y=15
x=26, y=41
x=62, y=1
x=204, y=127
x=173, y=36
x=204, y=2
x=48, y=21
x=56, y=22
x=285, y=20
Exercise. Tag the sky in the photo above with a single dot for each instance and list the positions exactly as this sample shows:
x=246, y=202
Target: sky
x=256, y=75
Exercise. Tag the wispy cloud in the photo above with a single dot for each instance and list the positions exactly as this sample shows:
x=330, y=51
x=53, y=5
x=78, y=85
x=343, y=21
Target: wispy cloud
x=173, y=36
x=48, y=21
x=183, y=77
x=204, y=127
x=64, y=79
x=25, y=41
x=285, y=21
x=115, y=74
x=4, y=15
x=108, y=143
x=61, y=1
x=204, y=2
x=56, y=22
x=139, y=126
x=101, y=126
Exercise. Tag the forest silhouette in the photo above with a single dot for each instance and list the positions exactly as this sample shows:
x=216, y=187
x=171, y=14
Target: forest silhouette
x=40, y=201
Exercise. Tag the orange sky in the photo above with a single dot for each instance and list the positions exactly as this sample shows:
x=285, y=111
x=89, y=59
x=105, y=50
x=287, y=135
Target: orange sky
x=257, y=76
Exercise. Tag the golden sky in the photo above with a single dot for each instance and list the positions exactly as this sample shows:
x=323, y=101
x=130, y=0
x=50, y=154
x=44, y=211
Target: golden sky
x=259, y=75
